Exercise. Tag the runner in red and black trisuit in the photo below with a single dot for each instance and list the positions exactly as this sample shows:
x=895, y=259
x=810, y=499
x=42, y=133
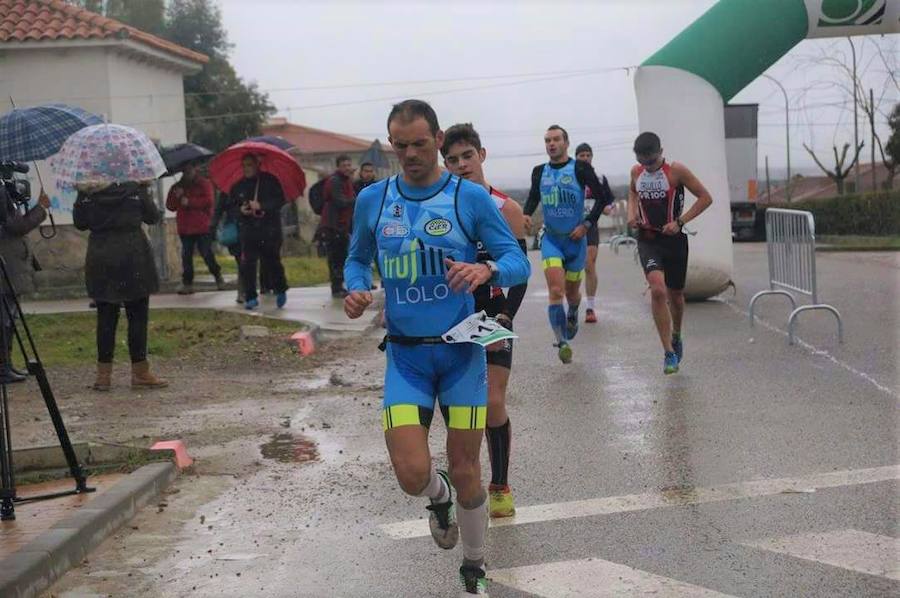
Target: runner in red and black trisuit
x=464, y=156
x=655, y=204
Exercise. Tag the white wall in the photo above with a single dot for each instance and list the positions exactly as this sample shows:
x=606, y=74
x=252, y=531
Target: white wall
x=742, y=167
x=102, y=80
x=76, y=76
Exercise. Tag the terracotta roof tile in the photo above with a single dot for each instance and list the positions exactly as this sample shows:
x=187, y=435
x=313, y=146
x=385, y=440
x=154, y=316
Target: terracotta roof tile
x=317, y=141
x=23, y=20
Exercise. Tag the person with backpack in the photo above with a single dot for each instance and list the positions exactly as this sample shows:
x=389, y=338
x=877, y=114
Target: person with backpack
x=337, y=221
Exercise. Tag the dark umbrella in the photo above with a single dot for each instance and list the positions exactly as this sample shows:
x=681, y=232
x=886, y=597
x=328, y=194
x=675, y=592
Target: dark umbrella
x=39, y=132
x=279, y=142
x=375, y=156
x=225, y=169
x=178, y=156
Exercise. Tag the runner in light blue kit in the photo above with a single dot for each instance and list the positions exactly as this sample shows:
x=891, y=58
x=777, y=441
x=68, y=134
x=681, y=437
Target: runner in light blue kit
x=424, y=226
x=558, y=186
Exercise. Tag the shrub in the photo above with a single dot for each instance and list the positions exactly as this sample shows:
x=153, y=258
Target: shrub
x=871, y=214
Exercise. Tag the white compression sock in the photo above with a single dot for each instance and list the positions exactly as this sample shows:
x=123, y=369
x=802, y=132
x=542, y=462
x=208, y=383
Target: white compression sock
x=436, y=489
x=591, y=303
x=473, y=525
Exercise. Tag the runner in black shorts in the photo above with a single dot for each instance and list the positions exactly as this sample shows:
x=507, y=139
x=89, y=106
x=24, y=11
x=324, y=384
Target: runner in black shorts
x=464, y=156
x=584, y=153
x=655, y=204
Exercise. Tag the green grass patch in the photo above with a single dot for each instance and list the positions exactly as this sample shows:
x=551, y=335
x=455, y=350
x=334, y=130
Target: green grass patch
x=301, y=271
x=70, y=339
x=857, y=243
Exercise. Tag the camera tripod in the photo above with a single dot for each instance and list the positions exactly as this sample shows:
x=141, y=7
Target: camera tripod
x=10, y=310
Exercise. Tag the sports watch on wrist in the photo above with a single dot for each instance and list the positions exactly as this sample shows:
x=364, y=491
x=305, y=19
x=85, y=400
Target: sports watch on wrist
x=492, y=266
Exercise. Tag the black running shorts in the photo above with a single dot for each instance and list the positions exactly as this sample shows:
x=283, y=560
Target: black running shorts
x=493, y=305
x=593, y=237
x=668, y=254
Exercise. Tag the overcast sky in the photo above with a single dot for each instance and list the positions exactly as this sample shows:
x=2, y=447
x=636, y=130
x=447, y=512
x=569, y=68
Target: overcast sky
x=516, y=67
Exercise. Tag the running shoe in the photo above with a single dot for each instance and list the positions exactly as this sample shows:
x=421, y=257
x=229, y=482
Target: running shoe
x=565, y=352
x=590, y=316
x=251, y=304
x=678, y=346
x=280, y=300
x=571, y=325
x=670, y=365
x=474, y=581
x=442, y=520
x=501, y=502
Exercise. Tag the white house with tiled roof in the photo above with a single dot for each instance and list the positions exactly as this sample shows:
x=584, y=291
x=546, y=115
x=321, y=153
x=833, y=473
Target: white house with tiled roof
x=52, y=51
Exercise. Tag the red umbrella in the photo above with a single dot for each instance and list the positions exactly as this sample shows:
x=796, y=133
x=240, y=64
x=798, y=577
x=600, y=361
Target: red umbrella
x=225, y=169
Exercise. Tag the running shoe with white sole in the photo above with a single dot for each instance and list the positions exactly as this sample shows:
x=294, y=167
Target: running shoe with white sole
x=442, y=519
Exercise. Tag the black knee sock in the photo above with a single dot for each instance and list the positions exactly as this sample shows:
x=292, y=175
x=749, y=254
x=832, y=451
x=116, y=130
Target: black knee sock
x=498, y=448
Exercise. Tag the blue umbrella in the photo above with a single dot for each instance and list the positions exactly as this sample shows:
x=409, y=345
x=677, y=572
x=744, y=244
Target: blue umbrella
x=37, y=133
x=279, y=142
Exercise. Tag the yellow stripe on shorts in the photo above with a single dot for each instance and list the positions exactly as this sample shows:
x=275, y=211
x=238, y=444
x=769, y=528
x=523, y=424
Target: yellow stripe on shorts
x=467, y=418
x=552, y=262
x=400, y=415
x=575, y=276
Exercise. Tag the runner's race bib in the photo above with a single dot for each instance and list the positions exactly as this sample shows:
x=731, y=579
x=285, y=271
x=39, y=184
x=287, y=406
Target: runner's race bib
x=479, y=329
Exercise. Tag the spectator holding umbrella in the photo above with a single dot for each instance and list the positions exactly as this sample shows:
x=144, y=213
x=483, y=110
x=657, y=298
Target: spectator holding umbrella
x=111, y=166
x=259, y=178
x=192, y=199
x=259, y=196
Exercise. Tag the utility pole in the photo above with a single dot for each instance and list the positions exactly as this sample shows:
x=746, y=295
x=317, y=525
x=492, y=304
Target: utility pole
x=787, y=134
x=855, y=111
x=872, y=125
x=768, y=185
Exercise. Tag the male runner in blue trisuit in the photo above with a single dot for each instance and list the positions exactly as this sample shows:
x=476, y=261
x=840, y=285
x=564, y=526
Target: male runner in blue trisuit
x=559, y=186
x=423, y=226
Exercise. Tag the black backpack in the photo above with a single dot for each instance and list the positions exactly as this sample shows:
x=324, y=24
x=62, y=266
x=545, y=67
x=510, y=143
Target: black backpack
x=317, y=196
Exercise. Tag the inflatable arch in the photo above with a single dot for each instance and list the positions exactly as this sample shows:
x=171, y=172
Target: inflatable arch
x=682, y=89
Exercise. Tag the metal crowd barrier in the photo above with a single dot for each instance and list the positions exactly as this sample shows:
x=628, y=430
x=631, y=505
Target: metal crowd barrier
x=791, y=247
x=620, y=234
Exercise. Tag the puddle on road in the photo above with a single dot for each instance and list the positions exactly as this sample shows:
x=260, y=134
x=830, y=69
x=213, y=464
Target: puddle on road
x=288, y=448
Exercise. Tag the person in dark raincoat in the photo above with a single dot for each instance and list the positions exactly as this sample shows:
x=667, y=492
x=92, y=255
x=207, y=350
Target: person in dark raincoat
x=120, y=270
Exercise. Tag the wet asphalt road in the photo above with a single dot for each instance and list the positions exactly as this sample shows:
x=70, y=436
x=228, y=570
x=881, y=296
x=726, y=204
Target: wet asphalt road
x=683, y=461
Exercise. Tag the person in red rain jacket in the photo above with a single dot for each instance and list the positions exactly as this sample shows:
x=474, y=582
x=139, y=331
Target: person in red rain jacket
x=192, y=200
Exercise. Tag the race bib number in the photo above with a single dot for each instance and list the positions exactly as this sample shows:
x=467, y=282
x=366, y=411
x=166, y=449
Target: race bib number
x=478, y=329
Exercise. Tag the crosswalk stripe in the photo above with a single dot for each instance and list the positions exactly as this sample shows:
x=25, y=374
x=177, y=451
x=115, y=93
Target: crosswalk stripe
x=851, y=549
x=676, y=498
x=595, y=578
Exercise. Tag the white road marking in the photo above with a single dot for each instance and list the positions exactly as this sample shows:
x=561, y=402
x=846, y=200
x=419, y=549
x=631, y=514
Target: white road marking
x=815, y=350
x=595, y=578
x=848, y=549
x=689, y=496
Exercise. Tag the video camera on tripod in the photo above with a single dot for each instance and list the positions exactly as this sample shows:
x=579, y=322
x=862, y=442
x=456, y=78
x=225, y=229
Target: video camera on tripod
x=18, y=189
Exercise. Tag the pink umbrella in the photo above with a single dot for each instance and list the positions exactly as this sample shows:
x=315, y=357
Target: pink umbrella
x=225, y=169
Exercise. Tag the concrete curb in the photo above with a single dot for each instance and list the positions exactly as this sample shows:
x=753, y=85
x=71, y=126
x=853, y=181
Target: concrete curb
x=45, y=559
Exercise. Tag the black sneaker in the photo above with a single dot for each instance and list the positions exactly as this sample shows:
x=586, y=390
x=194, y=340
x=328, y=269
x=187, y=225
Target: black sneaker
x=442, y=520
x=678, y=347
x=474, y=581
x=571, y=326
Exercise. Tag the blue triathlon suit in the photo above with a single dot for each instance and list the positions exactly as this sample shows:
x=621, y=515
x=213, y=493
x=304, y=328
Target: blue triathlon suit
x=413, y=230
x=562, y=200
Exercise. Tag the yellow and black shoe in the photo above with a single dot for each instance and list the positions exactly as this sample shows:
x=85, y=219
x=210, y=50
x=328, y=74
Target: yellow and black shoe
x=501, y=502
x=442, y=520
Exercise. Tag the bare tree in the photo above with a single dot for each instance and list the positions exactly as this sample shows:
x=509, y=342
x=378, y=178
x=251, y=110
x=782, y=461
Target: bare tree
x=839, y=174
x=876, y=68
